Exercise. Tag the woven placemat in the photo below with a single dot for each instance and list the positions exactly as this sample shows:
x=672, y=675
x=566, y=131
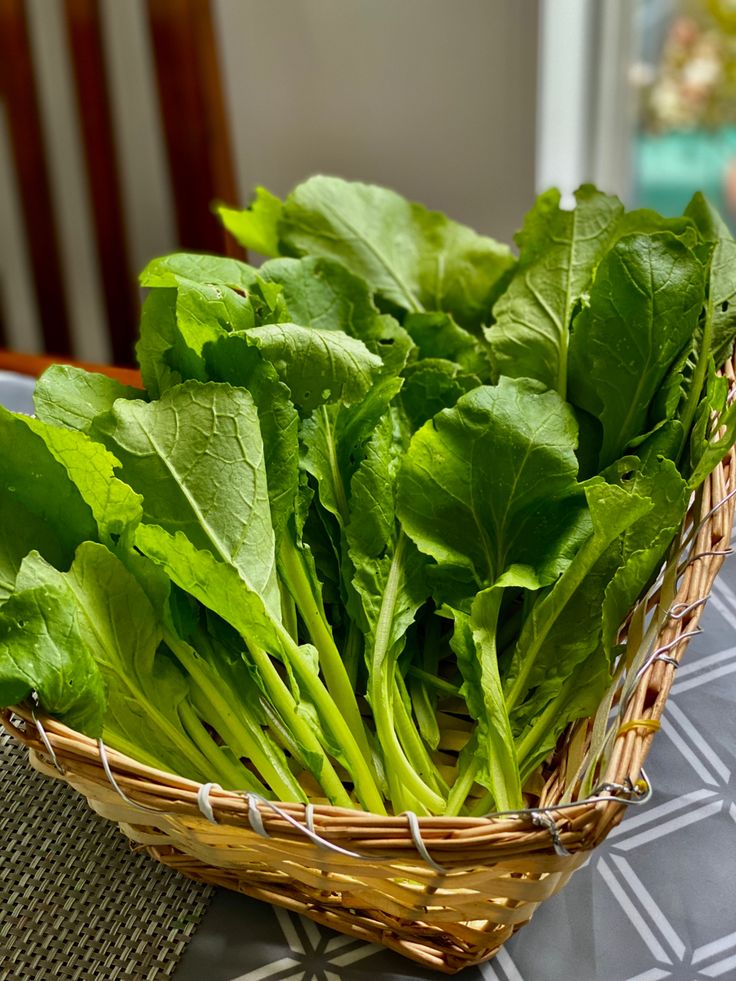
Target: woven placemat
x=75, y=901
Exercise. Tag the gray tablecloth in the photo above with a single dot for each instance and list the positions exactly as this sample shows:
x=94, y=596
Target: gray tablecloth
x=657, y=901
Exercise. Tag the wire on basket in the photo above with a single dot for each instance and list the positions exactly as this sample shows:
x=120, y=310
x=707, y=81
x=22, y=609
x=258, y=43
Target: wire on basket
x=684, y=608
x=47, y=743
x=116, y=787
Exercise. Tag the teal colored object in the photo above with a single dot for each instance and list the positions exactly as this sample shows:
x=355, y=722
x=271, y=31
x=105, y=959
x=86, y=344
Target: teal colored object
x=669, y=168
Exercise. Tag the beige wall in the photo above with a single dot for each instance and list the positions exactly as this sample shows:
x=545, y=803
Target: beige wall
x=435, y=98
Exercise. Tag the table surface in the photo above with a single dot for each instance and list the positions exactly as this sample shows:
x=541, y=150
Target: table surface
x=657, y=901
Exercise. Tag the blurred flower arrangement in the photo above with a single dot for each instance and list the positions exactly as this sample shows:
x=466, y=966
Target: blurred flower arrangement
x=694, y=84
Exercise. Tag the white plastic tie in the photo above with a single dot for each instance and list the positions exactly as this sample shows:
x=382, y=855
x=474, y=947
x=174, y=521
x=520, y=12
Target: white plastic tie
x=204, y=803
x=419, y=844
x=254, y=815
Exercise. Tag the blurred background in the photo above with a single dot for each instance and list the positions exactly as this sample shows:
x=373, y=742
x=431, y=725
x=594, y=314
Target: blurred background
x=122, y=120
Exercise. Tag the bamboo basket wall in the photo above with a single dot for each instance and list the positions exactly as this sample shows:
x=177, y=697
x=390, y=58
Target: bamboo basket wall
x=446, y=892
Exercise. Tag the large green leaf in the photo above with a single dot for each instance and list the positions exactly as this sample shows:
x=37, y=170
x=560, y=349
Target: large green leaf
x=559, y=252
x=71, y=397
x=116, y=624
x=431, y=385
x=492, y=482
x=90, y=467
x=185, y=268
x=565, y=623
x=489, y=490
x=414, y=258
x=158, y=336
x=644, y=307
x=42, y=650
x=322, y=293
x=220, y=588
x=206, y=305
x=22, y=531
x=234, y=361
x=438, y=336
x=30, y=475
x=722, y=285
x=196, y=456
x=195, y=300
x=86, y=641
x=318, y=366
x=218, y=585
x=645, y=541
x=334, y=440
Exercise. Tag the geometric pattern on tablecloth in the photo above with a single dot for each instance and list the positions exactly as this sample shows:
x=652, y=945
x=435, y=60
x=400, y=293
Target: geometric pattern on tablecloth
x=656, y=902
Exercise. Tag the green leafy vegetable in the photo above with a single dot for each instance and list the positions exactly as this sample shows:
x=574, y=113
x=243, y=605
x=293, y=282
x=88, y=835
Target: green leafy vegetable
x=644, y=308
x=416, y=259
x=370, y=530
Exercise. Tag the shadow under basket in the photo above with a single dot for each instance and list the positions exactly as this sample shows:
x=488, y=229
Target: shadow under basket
x=444, y=891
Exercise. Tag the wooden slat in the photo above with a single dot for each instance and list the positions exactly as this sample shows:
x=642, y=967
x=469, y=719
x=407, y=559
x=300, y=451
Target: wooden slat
x=19, y=92
x=35, y=364
x=194, y=120
x=93, y=101
x=3, y=316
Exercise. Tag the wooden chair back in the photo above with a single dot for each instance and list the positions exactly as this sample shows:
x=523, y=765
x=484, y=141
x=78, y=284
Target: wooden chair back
x=195, y=135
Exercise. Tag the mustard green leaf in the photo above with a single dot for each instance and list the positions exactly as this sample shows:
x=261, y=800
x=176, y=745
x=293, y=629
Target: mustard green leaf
x=114, y=622
x=196, y=456
x=645, y=541
x=436, y=335
x=412, y=257
x=431, y=385
x=559, y=253
x=158, y=339
x=91, y=468
x=186, y=268
x=318, y=366
x=30, y=475
x=71, y=397
x=256, y=227
x=492, y=483
x=565, y=624
x=42, y=650
x=322, y=293
x=22, y=531
x=722, y=285
x=644, y=307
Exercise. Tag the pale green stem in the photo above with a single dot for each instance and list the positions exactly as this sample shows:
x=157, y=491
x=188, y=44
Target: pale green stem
x=312, y=612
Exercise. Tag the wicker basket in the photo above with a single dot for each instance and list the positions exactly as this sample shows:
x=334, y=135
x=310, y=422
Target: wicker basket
x=447, y=892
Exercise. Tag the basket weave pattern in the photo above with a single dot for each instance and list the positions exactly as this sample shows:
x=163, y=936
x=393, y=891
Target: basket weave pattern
x=486, y=876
